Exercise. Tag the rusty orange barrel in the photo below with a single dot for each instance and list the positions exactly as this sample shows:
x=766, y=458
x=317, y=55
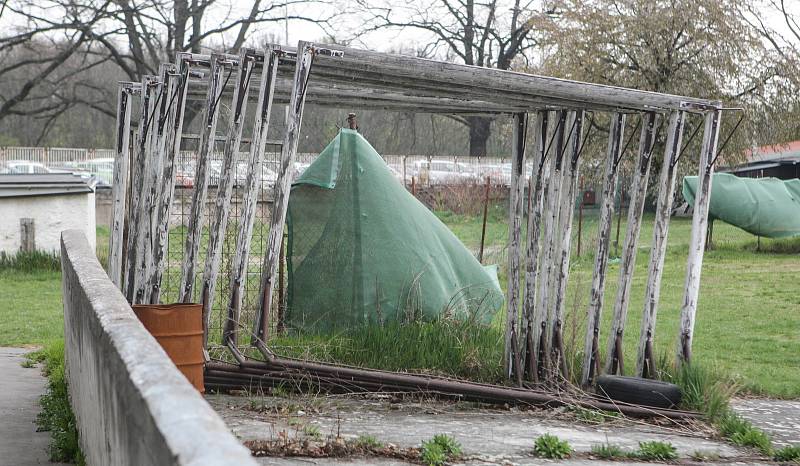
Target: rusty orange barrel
x=178, y=328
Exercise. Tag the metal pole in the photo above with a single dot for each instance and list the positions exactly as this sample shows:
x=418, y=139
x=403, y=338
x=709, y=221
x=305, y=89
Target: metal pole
x=694, y=264
x=485, y=213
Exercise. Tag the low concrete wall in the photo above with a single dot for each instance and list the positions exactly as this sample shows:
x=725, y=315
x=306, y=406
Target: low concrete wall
x=132, y=405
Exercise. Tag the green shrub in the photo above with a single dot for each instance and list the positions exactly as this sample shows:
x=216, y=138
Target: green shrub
x=550, y=446
x=787, y=454
x=655, y=451
x=432, y=454
x=608, y=451
x=312, y=431
x=741, y=432
x=702, y=390
x=56, y=415
x=450, y=445
x=439, y=449
x=368, y=441
x=754, y=438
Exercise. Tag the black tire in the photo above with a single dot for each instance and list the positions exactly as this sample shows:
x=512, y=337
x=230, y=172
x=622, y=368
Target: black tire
x=645, y=392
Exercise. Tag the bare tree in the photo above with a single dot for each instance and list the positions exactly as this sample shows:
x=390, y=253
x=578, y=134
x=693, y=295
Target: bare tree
x=51, y=49
x=47, y=63
x=703, y=48
x=490, y=34
x=779, y=97
x=150, y=32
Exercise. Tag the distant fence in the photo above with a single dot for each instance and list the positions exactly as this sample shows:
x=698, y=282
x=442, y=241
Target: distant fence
x=419, y=169
x=53, y=156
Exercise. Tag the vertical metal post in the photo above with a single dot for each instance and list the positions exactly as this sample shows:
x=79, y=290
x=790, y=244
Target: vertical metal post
x=580, y=220
x=152, y=184
x=645, y=358
x=230, y=154
x=119, y=185
x=177, y=92
x=549, y=245
x=305, y=57
x=566, y=208
x=485, y=214
x=138, y=175
x=591, y=344
x=533, y=317
x=208, y=135
x=694, y=263
x=638, y=191
x=248, y=216
x=511, y=354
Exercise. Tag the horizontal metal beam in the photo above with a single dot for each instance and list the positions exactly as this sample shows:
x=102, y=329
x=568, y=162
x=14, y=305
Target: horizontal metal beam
x=510, y=91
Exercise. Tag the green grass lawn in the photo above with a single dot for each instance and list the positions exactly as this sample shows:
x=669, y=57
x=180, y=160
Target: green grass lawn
x=748, y=321
x=30, y=307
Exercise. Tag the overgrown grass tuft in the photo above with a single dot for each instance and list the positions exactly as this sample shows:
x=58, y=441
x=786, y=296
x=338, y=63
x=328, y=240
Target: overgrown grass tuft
x=456, y=348
x=788, y=454
x=440, y=449
x=608, y=451
x=655, y=451
x=56, y=415
x=706, y=391
x=30, y=261
x=551, y=447
x=741, y=432
x=702, y=389
x=368, y=441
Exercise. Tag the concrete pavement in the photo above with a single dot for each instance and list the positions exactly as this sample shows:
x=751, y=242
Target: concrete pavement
x=20, y=389
x=488, y=435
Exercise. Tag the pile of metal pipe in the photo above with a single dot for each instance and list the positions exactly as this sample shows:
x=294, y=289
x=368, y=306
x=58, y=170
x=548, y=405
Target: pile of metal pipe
x=303, y=374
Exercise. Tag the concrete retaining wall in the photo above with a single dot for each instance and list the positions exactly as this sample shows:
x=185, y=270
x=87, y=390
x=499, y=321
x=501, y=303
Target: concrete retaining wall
x=133, y=406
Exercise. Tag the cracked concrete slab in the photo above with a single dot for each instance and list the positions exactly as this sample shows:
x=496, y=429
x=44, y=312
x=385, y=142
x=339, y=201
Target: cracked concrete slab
x=778, y=418
x=487, y=435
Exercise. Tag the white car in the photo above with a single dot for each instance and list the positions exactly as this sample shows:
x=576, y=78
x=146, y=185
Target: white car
x=100, y=168
x=268, y=176
x=24, y=167
x=442, y=172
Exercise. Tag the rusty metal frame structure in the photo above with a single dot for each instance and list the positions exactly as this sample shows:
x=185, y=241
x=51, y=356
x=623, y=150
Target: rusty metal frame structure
x=343, y=77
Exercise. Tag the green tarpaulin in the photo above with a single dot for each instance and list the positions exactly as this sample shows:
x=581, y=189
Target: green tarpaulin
x=766, y=207
x=362, y=249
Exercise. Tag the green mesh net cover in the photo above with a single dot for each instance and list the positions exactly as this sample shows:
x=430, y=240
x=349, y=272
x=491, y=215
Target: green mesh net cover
x=766, y=207
x=362, y=250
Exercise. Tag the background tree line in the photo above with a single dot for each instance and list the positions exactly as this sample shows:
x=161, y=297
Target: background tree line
x=60, y=60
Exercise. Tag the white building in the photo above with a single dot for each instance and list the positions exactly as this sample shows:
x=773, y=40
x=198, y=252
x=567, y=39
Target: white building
x=35, y=209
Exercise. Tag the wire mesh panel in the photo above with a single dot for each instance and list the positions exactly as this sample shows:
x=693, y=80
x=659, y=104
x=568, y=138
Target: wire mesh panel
x=177, y=237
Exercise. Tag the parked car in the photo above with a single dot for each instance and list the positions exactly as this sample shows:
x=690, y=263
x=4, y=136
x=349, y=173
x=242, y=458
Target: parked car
x=184, y=173
x=442, y=172
x=268, y=176
x=23, y=167
x=100, y=168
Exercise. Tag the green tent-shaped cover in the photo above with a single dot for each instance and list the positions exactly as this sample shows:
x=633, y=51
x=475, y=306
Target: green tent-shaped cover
x=362, y=250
